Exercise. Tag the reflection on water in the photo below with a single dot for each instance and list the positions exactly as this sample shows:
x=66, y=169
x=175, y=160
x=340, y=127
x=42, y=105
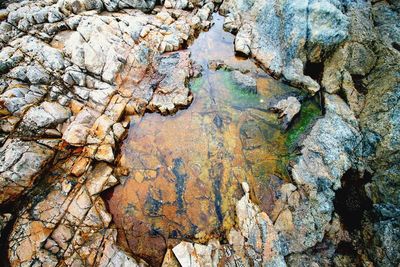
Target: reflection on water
x=184, y=171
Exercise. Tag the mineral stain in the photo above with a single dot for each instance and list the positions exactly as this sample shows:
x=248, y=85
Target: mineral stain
x=188, y=167
x=181, y=177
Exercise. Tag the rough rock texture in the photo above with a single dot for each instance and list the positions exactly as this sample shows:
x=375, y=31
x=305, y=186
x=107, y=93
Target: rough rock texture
x=288, y=109
x=22, y=163
x=306, y=206
x=380, y=122
x=69, y=77
x=72, y=71
x=283, y=36
x=253, y=242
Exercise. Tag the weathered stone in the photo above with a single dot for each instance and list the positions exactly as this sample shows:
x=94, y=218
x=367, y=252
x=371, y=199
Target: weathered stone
x=245, y=82
x=68, y=80
x=288, y=109
x=283, y=36
x=172, y=92
x=21, y=164
x=254, y=242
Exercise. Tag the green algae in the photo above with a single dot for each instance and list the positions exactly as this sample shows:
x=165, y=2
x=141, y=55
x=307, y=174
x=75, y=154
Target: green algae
x=308, y=114
x=196, y=84
x=237, y=93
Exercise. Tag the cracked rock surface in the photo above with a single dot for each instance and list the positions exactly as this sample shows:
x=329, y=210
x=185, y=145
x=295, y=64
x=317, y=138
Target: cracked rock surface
x=70, y=74
x=76, y=74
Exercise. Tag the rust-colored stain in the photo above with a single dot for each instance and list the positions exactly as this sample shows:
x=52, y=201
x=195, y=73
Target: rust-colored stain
x=184, y=171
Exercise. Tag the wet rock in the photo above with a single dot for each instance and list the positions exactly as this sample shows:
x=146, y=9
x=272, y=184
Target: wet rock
x=253, y=242
x=301, y=23
x=244, y=82
x=218, y=64
x=169, y=179
x=172, y=91
x=288, y=109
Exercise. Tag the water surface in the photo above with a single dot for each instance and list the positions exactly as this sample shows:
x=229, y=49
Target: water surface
x=183, y=172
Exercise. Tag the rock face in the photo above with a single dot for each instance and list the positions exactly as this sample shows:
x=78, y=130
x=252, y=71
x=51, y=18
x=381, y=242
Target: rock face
x=254, y=242
x=326, y=156
x=288, y=109
x=283, y=36
x=380, y=122
x=69, y=77
x=22, y=163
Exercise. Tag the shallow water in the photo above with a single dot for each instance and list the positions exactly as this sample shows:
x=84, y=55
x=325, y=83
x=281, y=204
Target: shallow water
x=184, y=171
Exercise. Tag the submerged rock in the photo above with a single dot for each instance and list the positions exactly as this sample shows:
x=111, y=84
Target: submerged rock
x=71, y=71
x=172, y=91
x=244, y=82
x=288, y=109
x=253, y=242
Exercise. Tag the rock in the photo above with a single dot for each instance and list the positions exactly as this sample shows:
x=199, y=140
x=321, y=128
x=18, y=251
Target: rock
x=4, y=219
x=21, y=164
x=296, y=25
x=293, y=73
x=172, y=92
x=48, y=56
x=169, y=259
x=78, y=130
x=329, y=149
x=114, y=256
x=217, y=65
x=288, y=109
x=37, y=75
x=244, y=82
x=379, y=120
x=70, y=75
x=47, y=115
x=243, y=40
x=254, y=242
x=71, y=71
x=105, y=153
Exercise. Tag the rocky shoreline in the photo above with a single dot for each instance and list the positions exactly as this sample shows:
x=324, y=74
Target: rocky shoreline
x=75, y=74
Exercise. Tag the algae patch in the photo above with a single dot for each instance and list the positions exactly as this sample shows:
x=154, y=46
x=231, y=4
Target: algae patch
x=309, y=113
x=195, y=84
x=236, y=92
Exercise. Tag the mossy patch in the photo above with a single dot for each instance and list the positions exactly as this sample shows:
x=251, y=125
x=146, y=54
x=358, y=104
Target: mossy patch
x=308, y=113
x=195, y=84
x=238, y=94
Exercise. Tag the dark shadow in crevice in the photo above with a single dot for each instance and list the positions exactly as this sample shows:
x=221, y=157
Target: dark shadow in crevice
x=351, y=201
x=359, y=84
x=396, y=46
x=314, y=70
